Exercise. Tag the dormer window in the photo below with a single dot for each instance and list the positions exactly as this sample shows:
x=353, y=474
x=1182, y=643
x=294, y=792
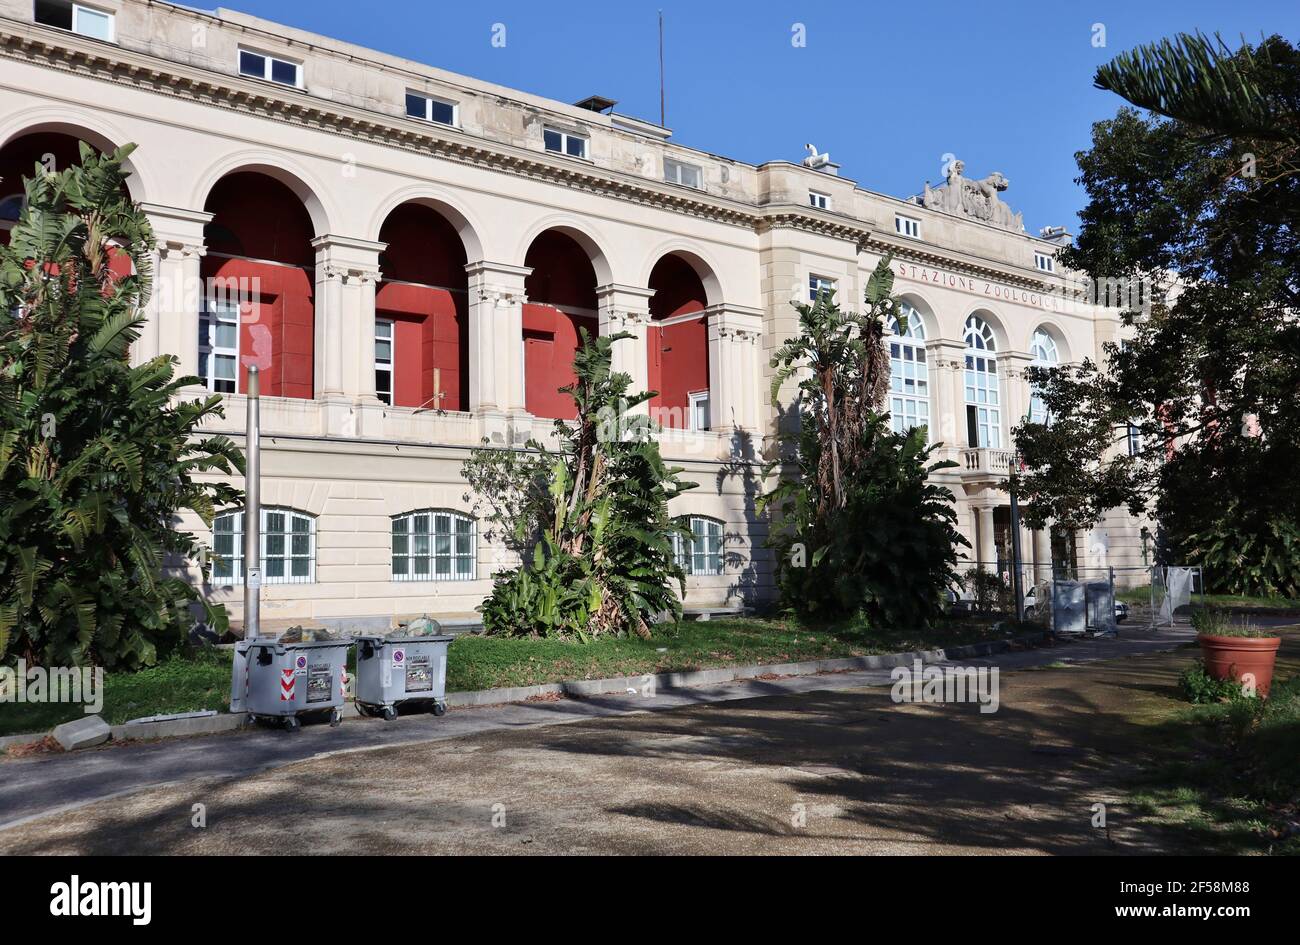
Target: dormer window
x=1044, y=262
x=75, y=17
x=819, y=200
x=907, y=226
x=562, y=142
x=679, y=172
x=427, y=108
x=271, y=68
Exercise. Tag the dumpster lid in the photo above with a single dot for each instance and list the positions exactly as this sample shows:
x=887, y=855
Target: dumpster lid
x=377, y=640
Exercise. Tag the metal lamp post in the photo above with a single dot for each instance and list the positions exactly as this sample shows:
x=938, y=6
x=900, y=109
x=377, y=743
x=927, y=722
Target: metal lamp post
x=253, y=511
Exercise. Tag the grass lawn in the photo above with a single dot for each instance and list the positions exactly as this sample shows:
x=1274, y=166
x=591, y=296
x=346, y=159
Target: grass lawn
x=1226, y=776
x=202, y=681
x=1142, y=595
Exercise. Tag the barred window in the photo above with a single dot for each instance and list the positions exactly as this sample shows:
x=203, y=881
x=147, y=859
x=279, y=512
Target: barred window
x=433, y=545
x=288, y=542
x=702, y=554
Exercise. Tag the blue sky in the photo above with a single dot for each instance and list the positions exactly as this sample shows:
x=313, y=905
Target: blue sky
x=886, y=87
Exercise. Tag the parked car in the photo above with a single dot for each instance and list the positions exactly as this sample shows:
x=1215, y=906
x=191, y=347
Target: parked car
x=1121, y=611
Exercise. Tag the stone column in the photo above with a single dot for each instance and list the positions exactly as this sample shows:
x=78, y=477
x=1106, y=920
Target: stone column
x=1012, y=364
x=947, y=376
x=988, y=555
x=496, y=346
x=626, y=308
x=346, y=272
x=172, y=325
x=735, y=368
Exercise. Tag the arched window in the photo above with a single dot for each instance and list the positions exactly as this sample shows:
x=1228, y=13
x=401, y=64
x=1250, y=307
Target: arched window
x=983, y=401
x=11, y=209
x=909, y=380
x=288, y=547
x=1043, y=348
x=702, y=554
x=433, y=545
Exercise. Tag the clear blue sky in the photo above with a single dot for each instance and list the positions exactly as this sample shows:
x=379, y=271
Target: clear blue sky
x=886, y=87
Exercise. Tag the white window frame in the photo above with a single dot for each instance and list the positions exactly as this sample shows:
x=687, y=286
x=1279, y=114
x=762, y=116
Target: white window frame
x=1134, y=439
x=565, y=138
x=1046, y=354
x=696, y=399
x=983, y=383
x=1044, y=262
x=818, y=283
x=268, y=69
x=288, y=545
x=675, y=172
x=388, y=367
x=818, y=200
x=909, y=374
x=74, y=14
x=213, y=314
x=429, y=101
x=705, y=532
x=907, y=226
x=460, y=544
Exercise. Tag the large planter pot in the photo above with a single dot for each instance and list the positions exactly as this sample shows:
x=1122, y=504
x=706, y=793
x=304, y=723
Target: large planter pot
x=1234, y=657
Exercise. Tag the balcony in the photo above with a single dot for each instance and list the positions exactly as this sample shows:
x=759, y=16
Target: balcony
x=985, y=463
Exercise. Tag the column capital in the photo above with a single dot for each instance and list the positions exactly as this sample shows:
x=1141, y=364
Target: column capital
x=736, y=322
x=177, y=229
x=499, y=283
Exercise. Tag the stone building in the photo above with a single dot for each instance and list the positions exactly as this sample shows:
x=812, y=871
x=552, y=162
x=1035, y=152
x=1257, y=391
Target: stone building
x=416, y=252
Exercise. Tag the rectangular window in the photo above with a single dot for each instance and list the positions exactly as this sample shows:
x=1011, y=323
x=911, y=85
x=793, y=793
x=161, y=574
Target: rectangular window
x=433, y=546
x=702, y=553
x=430, y=109
x=819, y=200
x=1045, y=262
x=699, y=406
x=384, y=360
x=677, y=172
x=288, y=542
x=272, y=69
x=219, y=347
x=74, y=17
x=561, y=142
x=909, y=387
x=817, y=285
x=1134, y=440
x=907, y=226
x=983, y=411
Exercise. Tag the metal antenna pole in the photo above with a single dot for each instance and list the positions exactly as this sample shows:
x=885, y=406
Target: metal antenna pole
x=253, y=511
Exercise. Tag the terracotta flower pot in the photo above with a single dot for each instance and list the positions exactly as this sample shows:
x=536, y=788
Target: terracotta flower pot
x=1234, y=657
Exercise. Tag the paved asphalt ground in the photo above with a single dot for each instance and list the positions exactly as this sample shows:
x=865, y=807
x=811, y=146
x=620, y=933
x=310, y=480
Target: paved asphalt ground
x=825, y=764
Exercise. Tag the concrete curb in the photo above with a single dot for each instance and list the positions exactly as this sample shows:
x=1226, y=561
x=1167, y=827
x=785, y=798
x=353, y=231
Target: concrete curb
x=586, y=688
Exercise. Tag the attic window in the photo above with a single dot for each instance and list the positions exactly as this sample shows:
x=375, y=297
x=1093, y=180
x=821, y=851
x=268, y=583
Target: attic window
x=74, y=17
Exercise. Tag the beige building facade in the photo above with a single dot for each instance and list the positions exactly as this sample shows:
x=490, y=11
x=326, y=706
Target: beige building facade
x=389, y=367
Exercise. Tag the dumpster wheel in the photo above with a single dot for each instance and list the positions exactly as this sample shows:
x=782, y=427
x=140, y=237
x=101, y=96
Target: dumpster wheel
x=292, y=723
x=438, y=708
x=336, y=718
x=390, y=713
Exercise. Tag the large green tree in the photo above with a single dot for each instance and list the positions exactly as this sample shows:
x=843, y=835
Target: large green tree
x=96, y=457
x=860, y=529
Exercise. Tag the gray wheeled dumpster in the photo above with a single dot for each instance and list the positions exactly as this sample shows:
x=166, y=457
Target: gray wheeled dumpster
x=285, y=681
x=401, y=670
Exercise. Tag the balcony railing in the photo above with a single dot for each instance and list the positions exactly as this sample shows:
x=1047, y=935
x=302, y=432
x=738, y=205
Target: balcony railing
x=986, y=462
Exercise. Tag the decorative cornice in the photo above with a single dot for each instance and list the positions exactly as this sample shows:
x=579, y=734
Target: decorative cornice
x=70, y=53
x=910, y=251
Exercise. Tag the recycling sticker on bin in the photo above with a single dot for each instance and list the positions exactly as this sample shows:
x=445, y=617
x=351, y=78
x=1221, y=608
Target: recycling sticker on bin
x=300, y=665
x=399, y=657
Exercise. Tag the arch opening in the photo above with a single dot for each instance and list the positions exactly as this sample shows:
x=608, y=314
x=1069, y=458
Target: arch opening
x=677, y=345
x=422, y=311
x=258, y=303
x=561, y=292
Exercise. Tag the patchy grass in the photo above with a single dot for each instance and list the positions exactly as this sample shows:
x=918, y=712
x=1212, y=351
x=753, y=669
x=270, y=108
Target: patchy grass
x=492, y=662
x=178, y=684
x=1226, y=775
x=202, y=681
x=1142, y=595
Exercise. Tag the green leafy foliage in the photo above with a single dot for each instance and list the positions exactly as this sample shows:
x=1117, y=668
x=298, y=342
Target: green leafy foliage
x=1198, y=207
x=96, y=457
x=604, y=563
x=860, y=528
x=1200, y=688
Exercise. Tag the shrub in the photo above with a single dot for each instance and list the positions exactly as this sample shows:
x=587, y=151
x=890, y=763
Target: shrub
x=96, y=457
x=604, y=563
x=1199, y=688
